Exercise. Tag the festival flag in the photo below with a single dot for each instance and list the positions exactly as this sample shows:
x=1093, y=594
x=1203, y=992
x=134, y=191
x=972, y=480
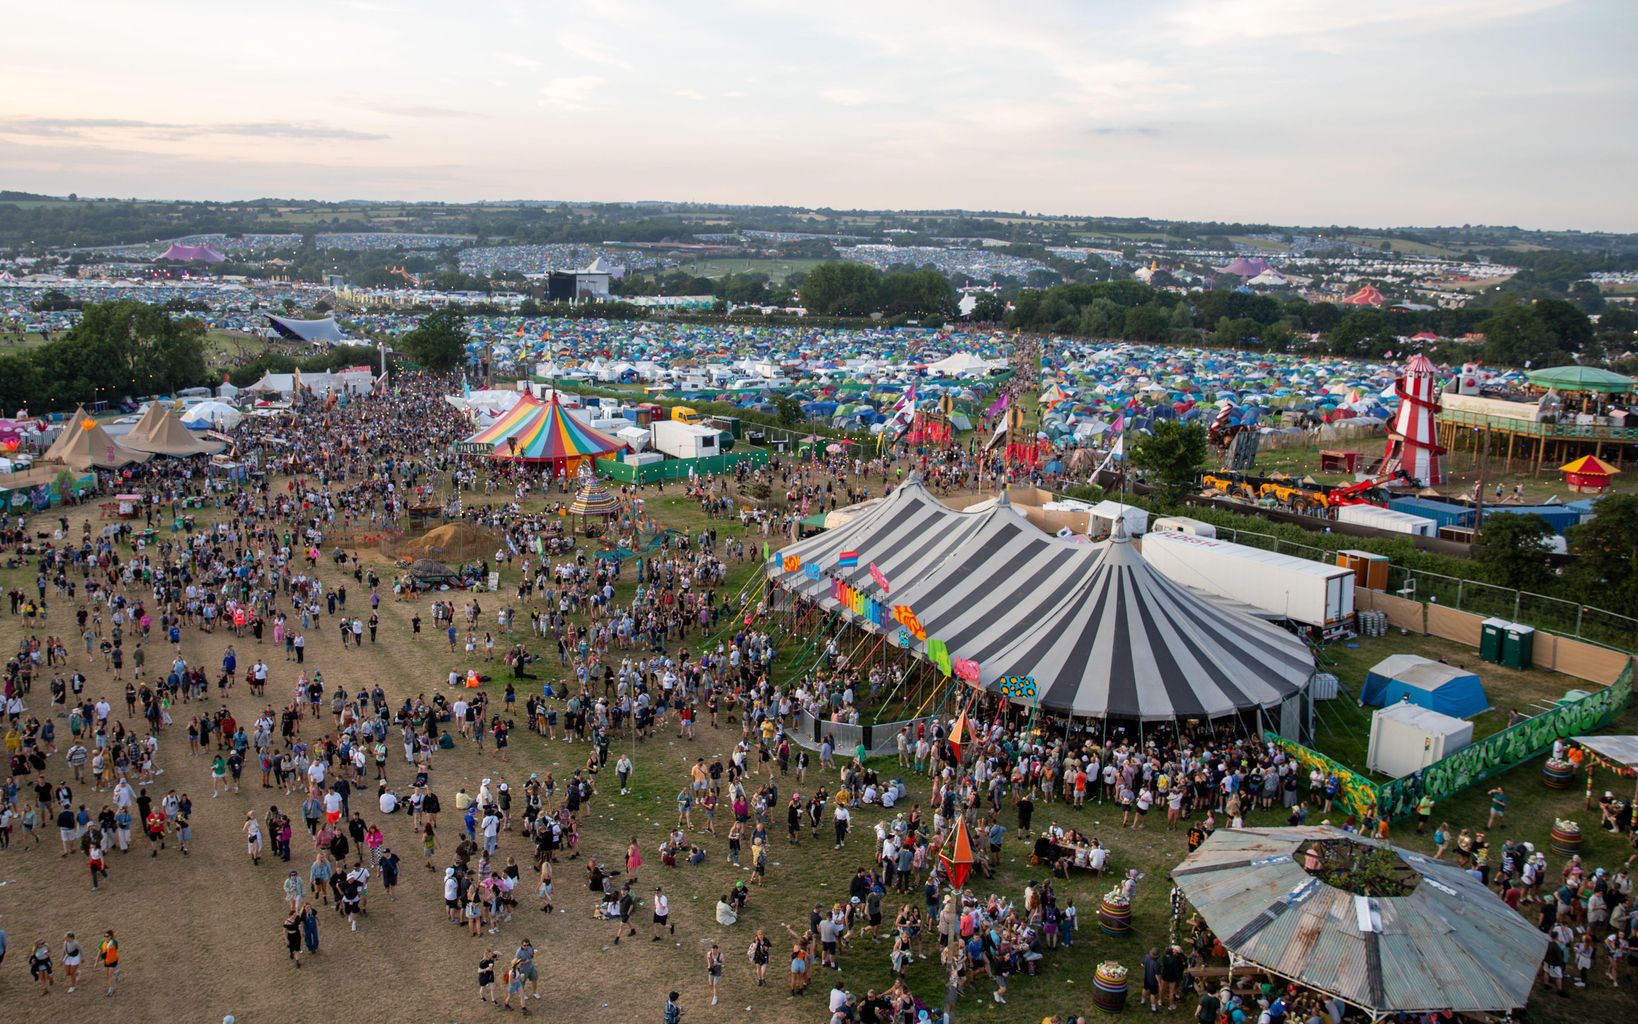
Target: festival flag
x=881, y=580
x=848, y=559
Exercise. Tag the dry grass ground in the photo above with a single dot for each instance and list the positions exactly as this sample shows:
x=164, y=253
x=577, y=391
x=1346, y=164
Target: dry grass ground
x=201, y=935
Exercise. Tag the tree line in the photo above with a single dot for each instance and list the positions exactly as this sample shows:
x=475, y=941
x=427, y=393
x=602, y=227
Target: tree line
x=1518, y=332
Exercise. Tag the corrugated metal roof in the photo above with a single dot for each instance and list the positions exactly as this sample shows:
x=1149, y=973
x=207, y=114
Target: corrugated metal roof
x=1451, y=944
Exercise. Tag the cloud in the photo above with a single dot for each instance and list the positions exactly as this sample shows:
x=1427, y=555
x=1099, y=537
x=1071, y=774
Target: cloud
x=1133, y=131
x=592, y=51
x=85, y=127
x=689, y=94
x=1220, y=22
x=843, y=97
x=574, y=92
x=518, y=60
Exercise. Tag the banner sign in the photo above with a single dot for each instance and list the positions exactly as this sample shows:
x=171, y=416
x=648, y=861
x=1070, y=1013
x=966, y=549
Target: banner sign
x=967, y=670
x=907, y=618
x=1018, y=687
x=881, y=581
x=810, y=570
x=848, y=559
x=792, y=563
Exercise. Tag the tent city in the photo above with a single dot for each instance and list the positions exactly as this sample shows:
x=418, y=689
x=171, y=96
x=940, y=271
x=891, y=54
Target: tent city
x=757, y=513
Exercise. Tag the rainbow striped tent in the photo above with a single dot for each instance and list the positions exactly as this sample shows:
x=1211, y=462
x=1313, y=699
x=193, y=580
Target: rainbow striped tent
x=544, y=432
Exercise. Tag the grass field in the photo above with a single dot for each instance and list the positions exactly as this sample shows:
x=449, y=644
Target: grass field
x=182, y=919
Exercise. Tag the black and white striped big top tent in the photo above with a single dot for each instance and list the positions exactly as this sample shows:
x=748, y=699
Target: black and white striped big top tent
x=1100, y=634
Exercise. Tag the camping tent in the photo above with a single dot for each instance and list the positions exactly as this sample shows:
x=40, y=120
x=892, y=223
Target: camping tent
x=84, y=445
x=1407, y=737
x=160, y=432
x=1443, y=688
x=1448, y=943
x=212, y=416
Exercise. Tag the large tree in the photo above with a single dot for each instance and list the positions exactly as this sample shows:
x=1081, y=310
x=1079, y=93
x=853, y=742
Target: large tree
x=1514, y=548
x=840, y=289
x=1517, y=336
x=1606, y=550
x=438, y=342
x=122, y=348
x=1170, y=456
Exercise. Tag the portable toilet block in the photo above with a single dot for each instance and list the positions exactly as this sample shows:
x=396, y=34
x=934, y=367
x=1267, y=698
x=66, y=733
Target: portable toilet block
x=1492, y=631
x=1518, y=646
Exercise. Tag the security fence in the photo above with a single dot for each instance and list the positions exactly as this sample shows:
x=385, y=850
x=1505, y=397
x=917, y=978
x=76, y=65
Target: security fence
x=679, y=469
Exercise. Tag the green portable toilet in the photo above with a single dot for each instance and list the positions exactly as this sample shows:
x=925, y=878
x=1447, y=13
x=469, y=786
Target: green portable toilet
x=1492, y=632
x=1518, y=646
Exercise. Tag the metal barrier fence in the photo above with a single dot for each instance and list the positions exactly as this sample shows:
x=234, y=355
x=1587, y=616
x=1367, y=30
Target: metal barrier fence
x=878, y=737
x=679, y=469
x=1553, y=614
x=1472, y=764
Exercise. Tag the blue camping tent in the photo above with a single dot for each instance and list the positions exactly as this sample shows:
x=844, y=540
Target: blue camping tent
x=1443, y=688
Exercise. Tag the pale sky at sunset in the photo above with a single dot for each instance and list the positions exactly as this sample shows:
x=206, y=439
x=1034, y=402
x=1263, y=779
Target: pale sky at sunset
x=1374, y=112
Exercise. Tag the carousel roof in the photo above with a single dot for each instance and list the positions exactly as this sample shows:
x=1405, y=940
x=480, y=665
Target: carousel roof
x=1449, y=943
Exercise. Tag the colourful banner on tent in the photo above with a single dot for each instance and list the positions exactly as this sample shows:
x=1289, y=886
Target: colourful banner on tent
x=848, y=559
x=967, y=670
x=938, y=654
x=907, y=618
x=792, y=563
x=881, y=581
x=811, y=570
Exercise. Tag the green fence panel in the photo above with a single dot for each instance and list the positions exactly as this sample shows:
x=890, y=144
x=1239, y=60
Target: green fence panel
x=679, y=469
x=1356, y=794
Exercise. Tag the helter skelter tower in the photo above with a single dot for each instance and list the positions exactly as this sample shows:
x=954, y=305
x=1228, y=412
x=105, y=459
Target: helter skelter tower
x=1413, y=443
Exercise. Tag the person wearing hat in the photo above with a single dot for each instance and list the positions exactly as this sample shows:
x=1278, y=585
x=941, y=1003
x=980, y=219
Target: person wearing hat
x=662, y=914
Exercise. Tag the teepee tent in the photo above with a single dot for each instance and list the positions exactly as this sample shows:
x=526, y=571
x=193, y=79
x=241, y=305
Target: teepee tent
x=159, y=432
x=84, y=445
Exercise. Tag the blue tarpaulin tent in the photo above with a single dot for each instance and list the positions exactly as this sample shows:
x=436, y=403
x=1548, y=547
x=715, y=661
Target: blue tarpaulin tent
x=1430, y=684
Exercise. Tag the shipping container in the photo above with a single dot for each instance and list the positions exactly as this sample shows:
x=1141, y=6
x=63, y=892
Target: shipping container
x=1310, y=593
x=1392, y=520
x=1445, y=513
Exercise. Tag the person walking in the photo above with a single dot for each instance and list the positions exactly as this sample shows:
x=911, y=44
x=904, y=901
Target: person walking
x=292, y=937
x=713, y=970
x=662, y=914
x=108, y=953
x=73, y=954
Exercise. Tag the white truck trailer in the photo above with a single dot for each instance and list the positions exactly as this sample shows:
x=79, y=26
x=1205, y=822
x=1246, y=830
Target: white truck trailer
x=1309, y=593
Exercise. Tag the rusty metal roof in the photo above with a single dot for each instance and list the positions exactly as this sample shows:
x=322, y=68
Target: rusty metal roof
x=1450, y=944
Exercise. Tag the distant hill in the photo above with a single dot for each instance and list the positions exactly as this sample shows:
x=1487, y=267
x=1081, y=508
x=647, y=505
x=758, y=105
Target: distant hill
x=9, y=196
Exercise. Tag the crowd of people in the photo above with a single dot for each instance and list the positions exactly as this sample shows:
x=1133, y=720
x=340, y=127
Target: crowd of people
x=622, y=648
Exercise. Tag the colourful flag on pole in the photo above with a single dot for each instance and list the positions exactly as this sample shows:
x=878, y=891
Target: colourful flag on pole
x=848, y=559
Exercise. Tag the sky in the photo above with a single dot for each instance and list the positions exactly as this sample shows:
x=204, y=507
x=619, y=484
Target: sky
x=1372, y=113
